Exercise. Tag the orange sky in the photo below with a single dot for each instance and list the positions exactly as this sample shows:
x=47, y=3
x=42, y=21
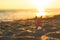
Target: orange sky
x=53, y=5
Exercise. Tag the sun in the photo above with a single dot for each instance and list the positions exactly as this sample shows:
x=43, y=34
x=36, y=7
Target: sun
x=41, y=13
x=41, y=5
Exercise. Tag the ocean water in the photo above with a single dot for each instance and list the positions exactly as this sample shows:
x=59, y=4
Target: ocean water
x=21, y=14
x=13, y=15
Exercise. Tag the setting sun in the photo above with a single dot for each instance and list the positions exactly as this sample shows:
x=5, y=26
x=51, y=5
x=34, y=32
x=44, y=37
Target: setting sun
x=41, y=14
x=24, y=8
x=41, y=5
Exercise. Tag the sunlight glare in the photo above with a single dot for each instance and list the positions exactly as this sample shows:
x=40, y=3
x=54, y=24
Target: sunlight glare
x=41, y=14
x=41, y=5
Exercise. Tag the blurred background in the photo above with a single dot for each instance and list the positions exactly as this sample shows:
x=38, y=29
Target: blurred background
x=18, y=22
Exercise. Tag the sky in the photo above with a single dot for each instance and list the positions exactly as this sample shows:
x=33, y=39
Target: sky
x=27, y=4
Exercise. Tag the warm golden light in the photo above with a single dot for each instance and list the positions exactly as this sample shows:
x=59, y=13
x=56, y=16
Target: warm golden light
x=41, y=6
x=41, y=14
